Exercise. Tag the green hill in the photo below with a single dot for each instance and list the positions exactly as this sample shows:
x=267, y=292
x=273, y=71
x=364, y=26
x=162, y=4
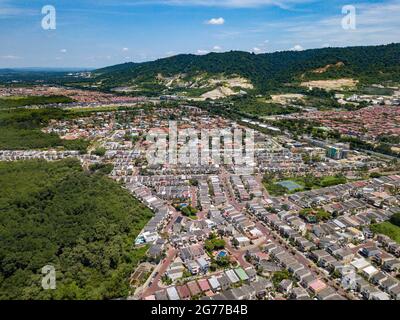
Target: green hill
x=370, y=64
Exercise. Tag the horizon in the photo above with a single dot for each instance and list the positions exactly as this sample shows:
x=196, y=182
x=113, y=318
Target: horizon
x=91, y=35
x=88, y=68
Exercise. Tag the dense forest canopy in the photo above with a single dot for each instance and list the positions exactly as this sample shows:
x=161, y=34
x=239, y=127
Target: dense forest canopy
x=84, y=224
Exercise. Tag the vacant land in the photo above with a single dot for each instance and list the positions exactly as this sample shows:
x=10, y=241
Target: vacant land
x=296, y=184
x=338, y=84
x=388, y=229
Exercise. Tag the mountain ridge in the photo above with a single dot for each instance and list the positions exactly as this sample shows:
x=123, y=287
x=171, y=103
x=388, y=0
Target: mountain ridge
x=266, y=71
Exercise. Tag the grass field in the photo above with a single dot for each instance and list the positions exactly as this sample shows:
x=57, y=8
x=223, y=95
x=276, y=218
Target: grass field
x=388, y=229
x=296, y=184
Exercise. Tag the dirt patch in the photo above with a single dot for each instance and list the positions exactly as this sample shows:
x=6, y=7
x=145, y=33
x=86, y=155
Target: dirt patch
x=218, y=93
x=337, y=84
x=327, y=67
x=286, y=98
x=233, y=82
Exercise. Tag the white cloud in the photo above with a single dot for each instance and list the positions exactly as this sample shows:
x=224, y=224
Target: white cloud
x=297, y=47
x=125, y=49
x=216, y=21
x=256, y=50
x=202, y=52
x=217, y=48
x=63, y=50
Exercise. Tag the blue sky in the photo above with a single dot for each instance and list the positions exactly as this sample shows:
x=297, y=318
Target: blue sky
x=96, y=33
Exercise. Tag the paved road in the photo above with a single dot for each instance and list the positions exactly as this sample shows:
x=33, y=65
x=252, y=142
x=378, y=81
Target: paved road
x=161, y=269
x=238, y=255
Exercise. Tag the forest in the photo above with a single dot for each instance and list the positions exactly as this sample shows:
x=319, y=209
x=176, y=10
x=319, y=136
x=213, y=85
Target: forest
x=82, y=223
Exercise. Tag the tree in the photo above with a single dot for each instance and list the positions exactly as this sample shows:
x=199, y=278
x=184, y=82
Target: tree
x=100, y=152
x=395, y=219
x=82, y=223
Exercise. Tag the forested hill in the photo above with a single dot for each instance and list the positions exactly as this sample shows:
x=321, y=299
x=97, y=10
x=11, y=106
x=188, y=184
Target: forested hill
x=266, y=71
x=82, y=223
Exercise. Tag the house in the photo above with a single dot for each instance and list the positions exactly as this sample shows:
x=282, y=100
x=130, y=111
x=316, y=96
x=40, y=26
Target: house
x=172, y=293
x=301, y=274
x=392, y=265
x=175, y=270
x=252, y=274
x=155, y=252
x=204, y=285
x=345, y=255
x=360, y=264
x=224, y=282
x=229, y=295
x=184, y=292
x=192, y=252
x=260, y=287
x=335, y=297
x=308, y=280
x=325, y=293
x=369, y=251
x=241, y=241
x=379, y=295
x=389, y=284
x=214, y=284
x=267, y=267
x=239, y=294
x=369, y=271
x=395, y=292
x=285, y=286
x=233, y=278
x=242, y=274
x=368, y=290
x=203, y=265
x=317, y=255
x=193, y=266
x=361, y=284
x=161, y=295
x=193, y=288
x=317, y=286
x=378, y=278
x=299, y=293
